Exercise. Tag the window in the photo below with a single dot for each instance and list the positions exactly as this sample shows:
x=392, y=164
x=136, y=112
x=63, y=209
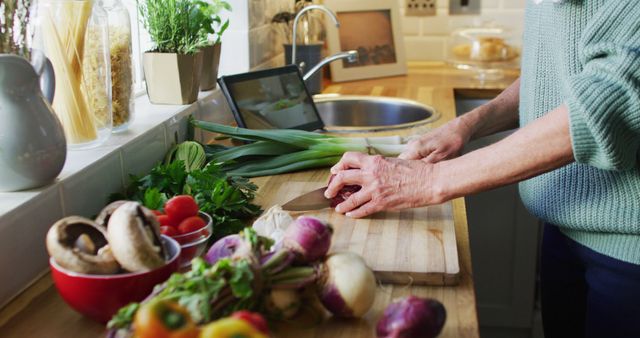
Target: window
x=141, y=43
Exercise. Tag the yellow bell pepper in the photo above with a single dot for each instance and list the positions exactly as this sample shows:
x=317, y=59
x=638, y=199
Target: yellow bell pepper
x=231, y=328
x=163, y=319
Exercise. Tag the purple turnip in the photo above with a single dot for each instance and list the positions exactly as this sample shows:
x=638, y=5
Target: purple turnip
x=347, y=286
x=412, y=317
x=309, y=238
x=224, y=247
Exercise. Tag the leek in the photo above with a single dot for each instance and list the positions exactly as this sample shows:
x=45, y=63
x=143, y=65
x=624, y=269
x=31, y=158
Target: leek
x=277, y=151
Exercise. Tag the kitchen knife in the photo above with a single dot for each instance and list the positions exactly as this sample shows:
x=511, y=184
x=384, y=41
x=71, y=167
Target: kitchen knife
x=313, y=200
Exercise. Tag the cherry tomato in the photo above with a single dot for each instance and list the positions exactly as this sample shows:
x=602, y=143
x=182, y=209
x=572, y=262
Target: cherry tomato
x=191, y=224
x=181, y=207
x=169, y=231
x=165, y=220
x=255, y=319
x=157, y=212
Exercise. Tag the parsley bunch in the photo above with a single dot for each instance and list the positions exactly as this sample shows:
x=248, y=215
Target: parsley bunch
x=226, y=199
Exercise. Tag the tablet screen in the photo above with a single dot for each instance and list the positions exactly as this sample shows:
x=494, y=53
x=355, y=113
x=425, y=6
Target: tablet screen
x=273, y=98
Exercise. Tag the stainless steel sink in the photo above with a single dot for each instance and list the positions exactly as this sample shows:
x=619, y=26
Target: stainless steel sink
x=348, y=113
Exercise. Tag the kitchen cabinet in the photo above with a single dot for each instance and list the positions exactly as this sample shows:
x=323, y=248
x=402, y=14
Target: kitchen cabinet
x=504, y=240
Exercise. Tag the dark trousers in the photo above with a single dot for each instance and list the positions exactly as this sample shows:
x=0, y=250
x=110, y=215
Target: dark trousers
x=587, y=294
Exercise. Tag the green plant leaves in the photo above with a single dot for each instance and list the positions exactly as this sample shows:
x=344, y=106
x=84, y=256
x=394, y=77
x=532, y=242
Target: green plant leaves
x=183, y=26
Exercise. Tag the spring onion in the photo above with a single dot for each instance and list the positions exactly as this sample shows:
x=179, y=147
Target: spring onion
x=277, y=151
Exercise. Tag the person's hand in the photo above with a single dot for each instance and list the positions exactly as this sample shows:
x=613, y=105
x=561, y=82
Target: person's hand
x=387, y=184
x=440, y=144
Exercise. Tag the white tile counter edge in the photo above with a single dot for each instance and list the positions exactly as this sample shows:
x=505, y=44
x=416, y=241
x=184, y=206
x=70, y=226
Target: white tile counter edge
x=87, y=180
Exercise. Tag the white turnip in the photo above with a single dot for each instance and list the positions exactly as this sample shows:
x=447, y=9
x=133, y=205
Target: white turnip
x=347, y=286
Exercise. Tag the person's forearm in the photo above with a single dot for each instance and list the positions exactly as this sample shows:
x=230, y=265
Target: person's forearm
x=497, y=115
x=541, y=146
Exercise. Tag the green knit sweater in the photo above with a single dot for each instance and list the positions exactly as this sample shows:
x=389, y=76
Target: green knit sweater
x=586, y=54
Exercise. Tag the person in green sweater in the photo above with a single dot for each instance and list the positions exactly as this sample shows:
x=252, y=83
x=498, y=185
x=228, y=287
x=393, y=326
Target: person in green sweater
x=576, y=156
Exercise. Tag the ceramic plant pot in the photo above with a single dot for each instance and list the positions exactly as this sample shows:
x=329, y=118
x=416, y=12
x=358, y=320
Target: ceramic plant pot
x=210, y=63
x=172, y=78
x=33, y=148
x=310, y=54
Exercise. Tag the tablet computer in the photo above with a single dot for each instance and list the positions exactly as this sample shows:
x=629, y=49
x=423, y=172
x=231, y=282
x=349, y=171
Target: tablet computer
x=274, y=98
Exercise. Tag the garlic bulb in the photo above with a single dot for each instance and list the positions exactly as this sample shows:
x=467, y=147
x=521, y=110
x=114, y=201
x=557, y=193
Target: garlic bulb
x=272, y=223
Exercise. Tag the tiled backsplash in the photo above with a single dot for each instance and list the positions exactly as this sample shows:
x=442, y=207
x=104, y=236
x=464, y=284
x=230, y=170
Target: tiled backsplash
x=425, y=37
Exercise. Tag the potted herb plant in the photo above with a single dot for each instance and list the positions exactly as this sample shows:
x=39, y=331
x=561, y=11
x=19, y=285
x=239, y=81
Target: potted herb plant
x=211, y=52
x=172, y=70
x=33, y=147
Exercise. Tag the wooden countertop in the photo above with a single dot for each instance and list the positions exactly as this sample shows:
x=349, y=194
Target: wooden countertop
x=40, y=312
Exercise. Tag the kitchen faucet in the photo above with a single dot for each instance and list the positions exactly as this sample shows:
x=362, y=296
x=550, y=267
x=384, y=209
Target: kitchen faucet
x=295, y=26
x=351, y=56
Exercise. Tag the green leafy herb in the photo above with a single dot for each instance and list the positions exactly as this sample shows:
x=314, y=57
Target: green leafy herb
x=207, y=292
x=123, y=317
x=182, y=26
x=226, y=199
x=154, y=199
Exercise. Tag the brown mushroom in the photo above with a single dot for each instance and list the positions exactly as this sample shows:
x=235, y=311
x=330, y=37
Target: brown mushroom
x=105, y=214
x=134, y=237
x=80, y=245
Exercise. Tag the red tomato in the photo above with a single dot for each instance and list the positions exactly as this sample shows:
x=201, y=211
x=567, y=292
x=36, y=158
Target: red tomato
x=191, y=224
x=169, y=231
x=255, y=319
x=157, y=212
x=181, y=207
x=165, y=220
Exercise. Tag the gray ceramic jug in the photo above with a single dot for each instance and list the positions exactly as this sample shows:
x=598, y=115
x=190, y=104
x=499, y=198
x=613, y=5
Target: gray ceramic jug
x=32, y=144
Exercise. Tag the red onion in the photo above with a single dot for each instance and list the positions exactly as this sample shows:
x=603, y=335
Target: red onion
x=344, y=193
x=347, y=286
x=412, y=317
x=224, y=247
x=308, y=237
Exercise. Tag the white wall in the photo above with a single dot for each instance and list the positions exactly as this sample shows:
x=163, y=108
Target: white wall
x=251, y=42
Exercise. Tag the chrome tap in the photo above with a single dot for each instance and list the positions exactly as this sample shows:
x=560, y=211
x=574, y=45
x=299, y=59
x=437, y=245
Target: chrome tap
x=295, y=26
x=351, y=56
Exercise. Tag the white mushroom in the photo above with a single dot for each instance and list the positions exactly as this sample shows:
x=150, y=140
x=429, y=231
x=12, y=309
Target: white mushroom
x=134, y=237
x=79, y=244
x=105, y=214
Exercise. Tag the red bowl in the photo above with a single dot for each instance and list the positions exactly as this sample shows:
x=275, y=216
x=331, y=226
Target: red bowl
x=194, y=243
x=99, y=297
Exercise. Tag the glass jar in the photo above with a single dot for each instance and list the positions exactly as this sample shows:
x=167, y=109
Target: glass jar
x=121, y=52
x=74, y=35
x=487, y=49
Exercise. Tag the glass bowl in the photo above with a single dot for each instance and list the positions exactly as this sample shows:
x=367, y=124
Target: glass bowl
x=487, y=49
x=193, y=244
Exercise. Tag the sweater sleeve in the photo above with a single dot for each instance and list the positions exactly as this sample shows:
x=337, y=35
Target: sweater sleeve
x=604, y=98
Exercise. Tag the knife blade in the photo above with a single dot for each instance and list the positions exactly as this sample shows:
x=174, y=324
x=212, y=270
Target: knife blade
x=313, y=200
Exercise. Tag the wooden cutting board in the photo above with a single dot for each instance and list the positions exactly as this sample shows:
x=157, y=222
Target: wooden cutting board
x=415, y=246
